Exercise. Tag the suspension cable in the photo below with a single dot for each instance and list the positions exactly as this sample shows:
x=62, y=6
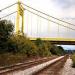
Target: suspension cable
x=41, y=17
x=38, y=15
x=8, y=7
x=49, y=15
x=8, y=15
x=50, y=20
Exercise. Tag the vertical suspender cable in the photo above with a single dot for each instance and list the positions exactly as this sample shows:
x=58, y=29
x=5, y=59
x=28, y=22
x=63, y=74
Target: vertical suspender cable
x=37, y=26
x=40, y=26
x=68, y=32
x=31, y=26
x=58, y=31
x=28, y=23
x=14, y=22
x=48, y=27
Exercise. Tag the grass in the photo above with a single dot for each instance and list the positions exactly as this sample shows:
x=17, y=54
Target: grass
x=10, y=59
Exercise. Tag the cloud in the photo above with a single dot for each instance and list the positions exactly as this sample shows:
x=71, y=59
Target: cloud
x=65, y=3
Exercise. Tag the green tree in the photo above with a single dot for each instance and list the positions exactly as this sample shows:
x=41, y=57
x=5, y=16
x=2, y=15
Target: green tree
x=61, y=50
x=6, y=28
x=57, y=50
x=53, y=50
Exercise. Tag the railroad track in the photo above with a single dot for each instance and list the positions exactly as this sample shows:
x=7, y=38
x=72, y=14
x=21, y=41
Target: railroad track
x=4, y=70
x=53, y=69
x=35, y=69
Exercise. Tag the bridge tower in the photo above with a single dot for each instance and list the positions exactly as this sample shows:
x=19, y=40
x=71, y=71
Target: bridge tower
x=20, y=19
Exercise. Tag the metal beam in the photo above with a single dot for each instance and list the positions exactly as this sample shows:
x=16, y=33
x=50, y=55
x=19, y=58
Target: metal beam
x=63, y=41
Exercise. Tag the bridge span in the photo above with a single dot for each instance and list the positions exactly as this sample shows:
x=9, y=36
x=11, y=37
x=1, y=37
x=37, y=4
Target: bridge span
x=63, y=41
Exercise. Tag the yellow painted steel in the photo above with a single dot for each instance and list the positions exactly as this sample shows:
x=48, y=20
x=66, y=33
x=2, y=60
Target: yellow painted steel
x=20, y=13
x=17, y=19
x=55, y=39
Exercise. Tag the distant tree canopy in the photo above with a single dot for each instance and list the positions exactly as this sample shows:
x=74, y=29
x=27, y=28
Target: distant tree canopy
x=6, y=28
x=57, y=50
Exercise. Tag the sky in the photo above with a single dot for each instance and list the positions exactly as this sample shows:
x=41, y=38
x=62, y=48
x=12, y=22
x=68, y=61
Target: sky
x=68, y=47
x=62, y=9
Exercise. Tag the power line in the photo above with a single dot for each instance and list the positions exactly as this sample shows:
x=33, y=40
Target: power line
x=8, y=7
x=50, y=20
x=49, y=15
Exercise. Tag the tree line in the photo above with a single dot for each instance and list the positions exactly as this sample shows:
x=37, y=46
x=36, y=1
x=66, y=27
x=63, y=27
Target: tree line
x=12, y=43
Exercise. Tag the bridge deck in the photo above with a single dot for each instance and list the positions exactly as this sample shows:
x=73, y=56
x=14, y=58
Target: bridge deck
x=63, y=41
x=55, y=39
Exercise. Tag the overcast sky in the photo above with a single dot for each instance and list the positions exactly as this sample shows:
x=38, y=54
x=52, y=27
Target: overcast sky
x=57, y=8
x=63, y=9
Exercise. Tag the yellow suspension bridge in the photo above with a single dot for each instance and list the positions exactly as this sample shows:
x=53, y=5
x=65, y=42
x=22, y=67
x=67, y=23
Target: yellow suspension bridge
x=42, y=25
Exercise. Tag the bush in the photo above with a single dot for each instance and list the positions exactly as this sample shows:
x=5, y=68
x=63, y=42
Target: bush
x=73, y=59
x=22, y=44
x=43, y=47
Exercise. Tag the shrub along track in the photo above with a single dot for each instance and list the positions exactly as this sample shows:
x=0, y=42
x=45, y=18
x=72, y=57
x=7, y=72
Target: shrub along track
x=54, y=68
x=22, y=66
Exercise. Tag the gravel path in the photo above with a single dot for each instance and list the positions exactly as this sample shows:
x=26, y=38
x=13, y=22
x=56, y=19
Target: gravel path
x=68, y=70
